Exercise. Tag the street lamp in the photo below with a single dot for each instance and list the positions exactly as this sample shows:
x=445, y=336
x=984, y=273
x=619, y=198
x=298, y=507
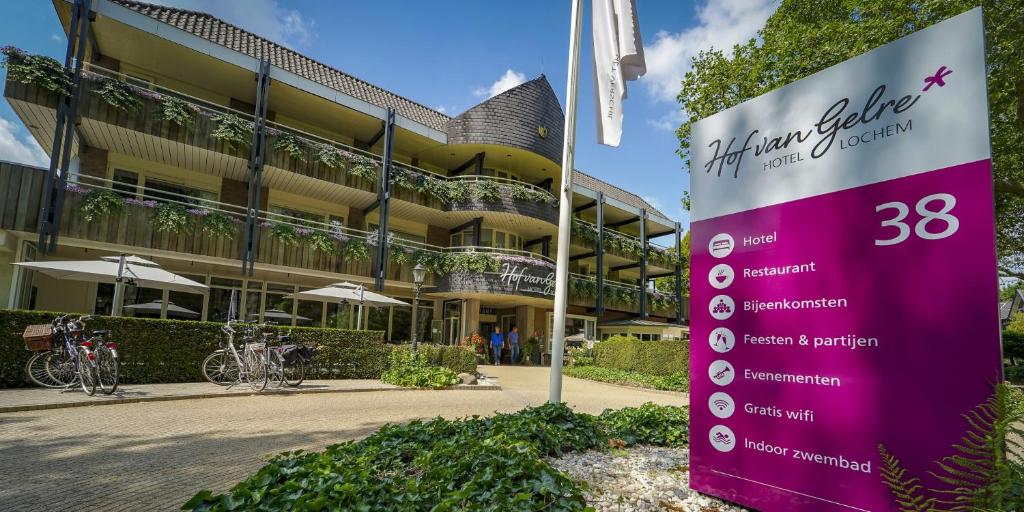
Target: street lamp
x=419, y=272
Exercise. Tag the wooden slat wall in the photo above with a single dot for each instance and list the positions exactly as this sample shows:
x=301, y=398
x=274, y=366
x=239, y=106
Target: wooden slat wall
x=21, y=190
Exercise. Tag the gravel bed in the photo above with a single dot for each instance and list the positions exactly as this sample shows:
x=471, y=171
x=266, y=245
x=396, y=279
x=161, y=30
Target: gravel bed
x=642, y=478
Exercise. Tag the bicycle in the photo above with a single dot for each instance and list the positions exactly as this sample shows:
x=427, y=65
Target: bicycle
x=287, y=362
x=68, y=363
x=101, y=353
x=226, y=367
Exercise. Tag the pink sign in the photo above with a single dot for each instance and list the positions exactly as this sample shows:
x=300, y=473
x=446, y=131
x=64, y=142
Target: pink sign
x=843, y=276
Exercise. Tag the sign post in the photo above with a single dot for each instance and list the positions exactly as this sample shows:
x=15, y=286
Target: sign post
x=844, y=276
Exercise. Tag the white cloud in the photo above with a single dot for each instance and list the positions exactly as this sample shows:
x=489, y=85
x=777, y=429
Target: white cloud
x=721, y=25
x=668, y=122
x=510, y=79
x=653, y=201
x=22, y=150
x=264, y=18
x=57, y=37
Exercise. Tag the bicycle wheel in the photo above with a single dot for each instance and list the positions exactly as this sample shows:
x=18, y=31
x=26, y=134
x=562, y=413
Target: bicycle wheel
x=220, y=368
x=86, y=372
x=256, y=369
x=275, y=368
x=107, y=367
x=294, y=374
x=36, y=371
x=61, y=368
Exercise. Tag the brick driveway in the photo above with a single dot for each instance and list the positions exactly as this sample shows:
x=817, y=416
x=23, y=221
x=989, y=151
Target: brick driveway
x=154, y=456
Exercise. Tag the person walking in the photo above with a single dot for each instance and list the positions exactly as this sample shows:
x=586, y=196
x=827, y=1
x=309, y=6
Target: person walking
x=497, y=343
x=513, y=342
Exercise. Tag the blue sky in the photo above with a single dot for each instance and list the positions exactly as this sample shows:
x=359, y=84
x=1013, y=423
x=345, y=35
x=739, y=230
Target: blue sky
x=451, y=55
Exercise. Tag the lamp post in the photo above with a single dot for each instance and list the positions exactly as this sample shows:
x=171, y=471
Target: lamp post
x=418, y=273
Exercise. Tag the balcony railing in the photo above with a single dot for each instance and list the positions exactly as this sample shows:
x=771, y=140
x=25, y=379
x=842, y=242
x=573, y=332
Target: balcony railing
x=127, y=102
x=584, y=234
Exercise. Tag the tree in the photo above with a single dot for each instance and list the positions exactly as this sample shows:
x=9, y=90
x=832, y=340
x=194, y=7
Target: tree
x=668, y=284
x=806, y=36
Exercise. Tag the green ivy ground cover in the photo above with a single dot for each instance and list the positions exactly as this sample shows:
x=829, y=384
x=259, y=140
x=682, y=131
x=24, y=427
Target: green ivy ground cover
x=494, y=463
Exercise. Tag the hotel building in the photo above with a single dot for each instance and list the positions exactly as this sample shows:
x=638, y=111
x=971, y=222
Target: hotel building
x=242, y=164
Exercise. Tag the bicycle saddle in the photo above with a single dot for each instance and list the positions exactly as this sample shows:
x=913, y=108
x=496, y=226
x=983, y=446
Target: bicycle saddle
x=101, y=332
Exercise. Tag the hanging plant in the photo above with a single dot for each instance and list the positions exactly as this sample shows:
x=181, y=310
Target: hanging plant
x=100, y=203
x=219, y=225
x=284, y=233
x=232, y=130
x=457, y=191
x=472, y=263
x=292, y=145
x=486, y=191
x=356, y=250
x=39, y=70
x=118, y=94
x=363, y=167
x=322, y=242
x=330, y=156
x=171, y=218
x=177, y=111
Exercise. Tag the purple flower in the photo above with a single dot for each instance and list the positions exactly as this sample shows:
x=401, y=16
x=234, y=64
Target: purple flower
x=75, y=188
x=198, y=212
x=266, y=224
x=303, y=231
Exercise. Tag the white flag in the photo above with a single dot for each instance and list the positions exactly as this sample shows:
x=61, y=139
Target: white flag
x=618, y=57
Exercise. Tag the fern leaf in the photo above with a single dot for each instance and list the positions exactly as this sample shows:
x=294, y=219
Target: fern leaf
x=906, y=491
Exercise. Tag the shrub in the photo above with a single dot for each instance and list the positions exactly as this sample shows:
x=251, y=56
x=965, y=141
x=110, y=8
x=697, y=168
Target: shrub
x=172, y=218
x=663, y=357
x=469, y=464
x=156, y=351
x=409, y=372
x=456, y=358
x=678, y=381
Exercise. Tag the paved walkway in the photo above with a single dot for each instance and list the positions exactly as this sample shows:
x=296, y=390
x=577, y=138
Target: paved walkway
x=28, y=399
x=156, y=455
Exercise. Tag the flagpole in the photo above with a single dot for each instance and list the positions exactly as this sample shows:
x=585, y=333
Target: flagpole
x=565, y=204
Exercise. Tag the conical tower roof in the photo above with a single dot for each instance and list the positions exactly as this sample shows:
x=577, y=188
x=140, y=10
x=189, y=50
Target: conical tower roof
x=527, y=116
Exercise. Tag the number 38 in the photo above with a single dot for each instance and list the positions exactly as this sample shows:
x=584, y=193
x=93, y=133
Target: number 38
x=951, y=223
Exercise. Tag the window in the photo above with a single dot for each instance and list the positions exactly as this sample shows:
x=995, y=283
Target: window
x=126, y=183
x=169, y=191
x=297, y=216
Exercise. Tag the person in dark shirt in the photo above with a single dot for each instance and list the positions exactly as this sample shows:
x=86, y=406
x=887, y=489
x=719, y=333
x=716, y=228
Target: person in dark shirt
x=497, y=343
x=513, y=342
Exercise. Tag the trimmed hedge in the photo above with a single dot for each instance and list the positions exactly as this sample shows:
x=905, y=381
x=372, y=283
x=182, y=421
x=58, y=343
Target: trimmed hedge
x=678, y=381
x=662, y=357
x=159, y=351
x=456, y=358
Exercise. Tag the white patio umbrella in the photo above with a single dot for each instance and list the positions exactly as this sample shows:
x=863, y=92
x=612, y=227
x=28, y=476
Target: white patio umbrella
x=277, y=314
x=348, y=293
x=119, y=270
x=157, y=305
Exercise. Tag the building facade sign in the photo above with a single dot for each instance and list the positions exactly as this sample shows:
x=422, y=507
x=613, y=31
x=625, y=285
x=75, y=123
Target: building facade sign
x=513, y=278
x=844, y=276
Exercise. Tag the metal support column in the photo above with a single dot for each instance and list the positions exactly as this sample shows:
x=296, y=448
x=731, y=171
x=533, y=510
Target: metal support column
x=257, y=152
x=599, y=252
x=478, y=224
x=64, y=130
x=643, y=263
x=384, y=199
x=679, y=273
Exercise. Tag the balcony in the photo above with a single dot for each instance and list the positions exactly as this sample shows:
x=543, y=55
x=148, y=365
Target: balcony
x=125, y=115
x=621, y=248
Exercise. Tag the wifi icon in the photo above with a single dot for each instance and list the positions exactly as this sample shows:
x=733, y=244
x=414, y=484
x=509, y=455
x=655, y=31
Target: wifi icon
x=721, y=404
